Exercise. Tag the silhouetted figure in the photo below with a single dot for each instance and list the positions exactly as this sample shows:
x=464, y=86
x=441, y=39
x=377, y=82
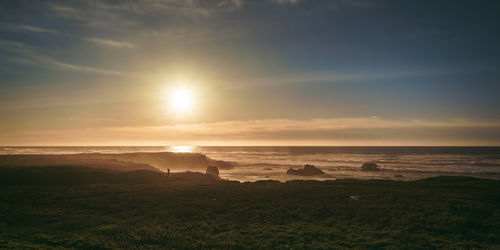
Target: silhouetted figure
x=168, y=175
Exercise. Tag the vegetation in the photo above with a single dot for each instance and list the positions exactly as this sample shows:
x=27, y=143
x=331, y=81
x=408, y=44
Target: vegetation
x=145, y=211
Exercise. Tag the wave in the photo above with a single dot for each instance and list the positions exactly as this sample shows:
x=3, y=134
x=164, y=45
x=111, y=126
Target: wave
x=343, y=161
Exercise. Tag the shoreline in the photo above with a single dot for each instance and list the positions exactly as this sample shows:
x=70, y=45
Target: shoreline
x=179, y=162
x=109, y=203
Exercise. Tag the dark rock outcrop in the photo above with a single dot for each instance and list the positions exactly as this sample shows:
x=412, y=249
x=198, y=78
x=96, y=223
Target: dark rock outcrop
x=212, y=171
x=81, y=160
x=121, y=162
x=308, y=170
x=369, y=166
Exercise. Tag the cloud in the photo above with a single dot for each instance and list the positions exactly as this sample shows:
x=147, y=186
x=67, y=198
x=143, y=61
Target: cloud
x=285, y=1
x=252, y=127
x=102, y=12
x=134, y=14
x=30, y=56
x=105, y=12
x=91, y=15
x=346, y=131
x=110, y=43
x=297, y=78
x=20, y=27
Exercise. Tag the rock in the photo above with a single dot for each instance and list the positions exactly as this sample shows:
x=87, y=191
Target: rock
x=213, y=171
x=398, y=175
x=369, y=166
x=308, y=170
x=354, y=197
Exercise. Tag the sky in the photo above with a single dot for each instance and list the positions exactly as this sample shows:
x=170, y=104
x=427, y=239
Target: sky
x=258, y=72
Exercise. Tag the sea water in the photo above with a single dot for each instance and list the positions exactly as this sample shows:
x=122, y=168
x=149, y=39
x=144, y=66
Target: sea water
x=262, y=163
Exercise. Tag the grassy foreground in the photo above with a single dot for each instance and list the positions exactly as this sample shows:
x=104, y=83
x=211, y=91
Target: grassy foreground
x=443, y=212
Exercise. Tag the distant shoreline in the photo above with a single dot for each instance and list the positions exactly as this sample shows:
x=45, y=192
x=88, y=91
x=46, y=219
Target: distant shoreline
x=258, y=163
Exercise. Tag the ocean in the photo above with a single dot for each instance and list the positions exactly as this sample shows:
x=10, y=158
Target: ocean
x=262, y=163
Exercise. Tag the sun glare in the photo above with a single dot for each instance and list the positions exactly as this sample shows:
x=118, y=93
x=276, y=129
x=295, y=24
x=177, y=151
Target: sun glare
x=181, y=100
x=181, y=149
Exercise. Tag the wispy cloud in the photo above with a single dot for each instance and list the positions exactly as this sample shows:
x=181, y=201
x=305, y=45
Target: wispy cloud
x=92, y=14
x=110, y=43
x=139, y=14
x=102, y=12
x=367, y=130
x=101, y=41
x=253, y=127
x=29, y=55
x=105, y=13
x=285, y=1
x=20, y=27
x=296, y=78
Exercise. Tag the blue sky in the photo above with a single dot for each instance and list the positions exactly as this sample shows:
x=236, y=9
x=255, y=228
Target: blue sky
x=284, y=72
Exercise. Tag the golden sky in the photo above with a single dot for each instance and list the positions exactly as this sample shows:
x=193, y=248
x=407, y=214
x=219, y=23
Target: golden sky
x=240, y=72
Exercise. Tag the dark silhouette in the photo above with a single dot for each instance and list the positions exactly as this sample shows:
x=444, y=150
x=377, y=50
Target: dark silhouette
x=308, y=170
x=369, y=166
x=168, y=176
x=213, y=171
x=37, y=206
x=120, y=162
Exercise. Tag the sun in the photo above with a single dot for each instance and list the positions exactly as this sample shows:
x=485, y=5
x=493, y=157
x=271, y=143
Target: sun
x=181, y=99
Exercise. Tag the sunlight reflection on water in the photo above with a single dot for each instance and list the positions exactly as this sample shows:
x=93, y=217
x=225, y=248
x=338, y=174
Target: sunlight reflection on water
x=181, y=149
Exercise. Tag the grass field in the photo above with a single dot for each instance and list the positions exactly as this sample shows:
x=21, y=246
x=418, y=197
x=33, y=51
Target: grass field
x=144, y=211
